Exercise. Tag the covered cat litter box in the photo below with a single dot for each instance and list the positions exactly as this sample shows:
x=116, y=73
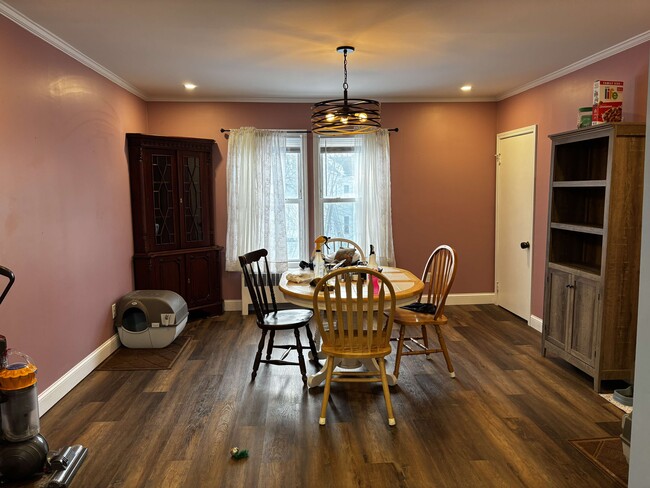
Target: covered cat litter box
x=150, y=318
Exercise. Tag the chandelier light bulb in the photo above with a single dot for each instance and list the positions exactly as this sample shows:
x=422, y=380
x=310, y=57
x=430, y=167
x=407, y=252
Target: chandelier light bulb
x=330, y=117
x=362, y=116
x=344, y=120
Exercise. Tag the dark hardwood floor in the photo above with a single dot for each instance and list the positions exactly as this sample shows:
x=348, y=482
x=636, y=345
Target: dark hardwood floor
x=505, y=421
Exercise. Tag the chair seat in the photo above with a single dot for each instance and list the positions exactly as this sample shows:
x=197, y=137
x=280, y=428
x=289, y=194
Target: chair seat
x=408, y=317
x=287, y=319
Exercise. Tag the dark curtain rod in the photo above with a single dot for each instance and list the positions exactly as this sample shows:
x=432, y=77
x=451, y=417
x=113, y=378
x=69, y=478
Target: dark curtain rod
x=222, y=130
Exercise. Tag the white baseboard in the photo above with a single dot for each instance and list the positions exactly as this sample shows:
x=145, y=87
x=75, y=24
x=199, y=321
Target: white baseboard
x=61, y=387
x=536, y=323
x=232, y=305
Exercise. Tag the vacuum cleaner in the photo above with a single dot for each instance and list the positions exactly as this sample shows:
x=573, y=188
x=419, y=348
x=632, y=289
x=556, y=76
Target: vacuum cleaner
x=24, y=452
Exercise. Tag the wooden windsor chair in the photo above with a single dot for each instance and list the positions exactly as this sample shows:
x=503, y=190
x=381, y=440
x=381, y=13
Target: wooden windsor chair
x=351, y=322
x=438, y=276
x=258, y=279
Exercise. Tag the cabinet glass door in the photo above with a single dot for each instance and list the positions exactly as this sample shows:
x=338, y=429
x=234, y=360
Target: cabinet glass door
x=164, y=208
x=195, y=200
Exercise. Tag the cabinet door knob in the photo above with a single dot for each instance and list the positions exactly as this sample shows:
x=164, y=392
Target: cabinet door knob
x=524, y=245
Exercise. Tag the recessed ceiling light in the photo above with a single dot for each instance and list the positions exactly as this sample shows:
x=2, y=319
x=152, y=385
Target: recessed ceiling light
x=189, y=86
x=466, y=88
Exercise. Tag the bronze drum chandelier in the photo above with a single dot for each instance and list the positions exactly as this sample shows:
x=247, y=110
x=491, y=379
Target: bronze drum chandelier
x=345, y=116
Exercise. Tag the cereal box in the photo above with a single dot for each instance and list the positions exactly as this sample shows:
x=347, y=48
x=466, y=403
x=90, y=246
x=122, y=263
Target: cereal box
x=608, y=102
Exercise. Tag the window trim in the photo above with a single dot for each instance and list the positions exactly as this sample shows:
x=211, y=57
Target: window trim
x=303, y=213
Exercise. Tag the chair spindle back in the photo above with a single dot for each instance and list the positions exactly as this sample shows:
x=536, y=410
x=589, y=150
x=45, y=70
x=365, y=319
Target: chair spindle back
x=258, y=279
x=354, y=313
x=438, y=276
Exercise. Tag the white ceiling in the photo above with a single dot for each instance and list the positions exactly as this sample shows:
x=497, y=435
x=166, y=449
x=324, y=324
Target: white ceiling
x=284, y=50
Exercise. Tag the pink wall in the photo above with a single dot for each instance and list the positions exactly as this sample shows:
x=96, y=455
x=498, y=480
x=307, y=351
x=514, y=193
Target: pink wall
x=65, y=222
x=554, y=107
x=442, y=174
x=443, y=186
x=64, y=201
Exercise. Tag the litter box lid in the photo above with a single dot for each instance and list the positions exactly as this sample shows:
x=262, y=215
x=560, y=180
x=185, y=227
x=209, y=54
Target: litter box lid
x=139, y=309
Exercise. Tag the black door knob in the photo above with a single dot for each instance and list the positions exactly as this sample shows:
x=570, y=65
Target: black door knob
x=525, y=245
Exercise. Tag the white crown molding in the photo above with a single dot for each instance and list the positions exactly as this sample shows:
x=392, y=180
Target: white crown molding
x=311, y=101
x=27, y=24
x=594, y=58
x=60, y=44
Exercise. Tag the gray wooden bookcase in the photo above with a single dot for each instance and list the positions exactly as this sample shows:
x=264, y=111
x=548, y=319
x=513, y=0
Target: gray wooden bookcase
x=593, y=249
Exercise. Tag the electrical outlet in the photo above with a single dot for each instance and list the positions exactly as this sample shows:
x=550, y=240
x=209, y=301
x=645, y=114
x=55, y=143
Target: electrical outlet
x=114, y=310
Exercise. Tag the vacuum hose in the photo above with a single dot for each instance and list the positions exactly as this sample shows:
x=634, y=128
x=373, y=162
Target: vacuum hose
x=7, y=273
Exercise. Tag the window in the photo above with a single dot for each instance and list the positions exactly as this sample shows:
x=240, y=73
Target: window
x=337, y=178
x=267, y=190
x=295, y=189
x=352, y=191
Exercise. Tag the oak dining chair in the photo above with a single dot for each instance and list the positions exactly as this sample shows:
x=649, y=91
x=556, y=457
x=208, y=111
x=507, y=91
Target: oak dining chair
x=438, y=276
x=349, y=311
x=335, y=244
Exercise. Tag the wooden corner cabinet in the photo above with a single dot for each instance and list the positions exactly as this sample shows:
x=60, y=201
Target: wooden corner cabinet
x=172, y=213
x=593, y=249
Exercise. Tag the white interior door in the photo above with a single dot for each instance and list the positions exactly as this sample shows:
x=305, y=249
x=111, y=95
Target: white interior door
x=515, y=197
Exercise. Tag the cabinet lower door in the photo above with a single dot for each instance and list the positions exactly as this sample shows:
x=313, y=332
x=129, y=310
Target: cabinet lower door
x=202, y=283
x=170, y=273
x=556, y=315
x=585, y=324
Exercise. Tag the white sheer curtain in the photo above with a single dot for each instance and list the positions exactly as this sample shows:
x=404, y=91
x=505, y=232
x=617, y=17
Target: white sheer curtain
x=375, y=219
x=255, y=192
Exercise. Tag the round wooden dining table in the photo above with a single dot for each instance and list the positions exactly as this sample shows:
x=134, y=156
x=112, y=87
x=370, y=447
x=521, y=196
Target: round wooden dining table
x=407, y=288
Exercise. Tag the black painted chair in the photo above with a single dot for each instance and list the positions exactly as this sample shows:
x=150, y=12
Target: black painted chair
x=259, y=282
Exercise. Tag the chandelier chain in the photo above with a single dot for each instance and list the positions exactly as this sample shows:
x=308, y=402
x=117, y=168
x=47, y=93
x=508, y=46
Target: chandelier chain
x=345, y=69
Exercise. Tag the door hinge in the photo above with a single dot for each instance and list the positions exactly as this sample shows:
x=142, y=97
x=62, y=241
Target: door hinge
x=497, y=287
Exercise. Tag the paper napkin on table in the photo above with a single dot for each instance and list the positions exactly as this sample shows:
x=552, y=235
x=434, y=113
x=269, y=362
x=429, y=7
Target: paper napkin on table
x=300, y=277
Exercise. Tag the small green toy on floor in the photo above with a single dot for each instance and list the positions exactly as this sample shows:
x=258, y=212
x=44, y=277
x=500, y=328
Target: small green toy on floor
x=238, y=454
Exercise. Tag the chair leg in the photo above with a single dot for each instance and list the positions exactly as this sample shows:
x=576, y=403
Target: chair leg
x=301, y=360
x=400, y=345
x=425, y=339
x=384, y=385
x=258, y=356
x=443, y=346
x=312, y=344
x=269, y=348
x=326, y=391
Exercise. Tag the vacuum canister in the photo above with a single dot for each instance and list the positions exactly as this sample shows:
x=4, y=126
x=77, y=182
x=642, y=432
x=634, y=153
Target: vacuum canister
x=18, y=395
